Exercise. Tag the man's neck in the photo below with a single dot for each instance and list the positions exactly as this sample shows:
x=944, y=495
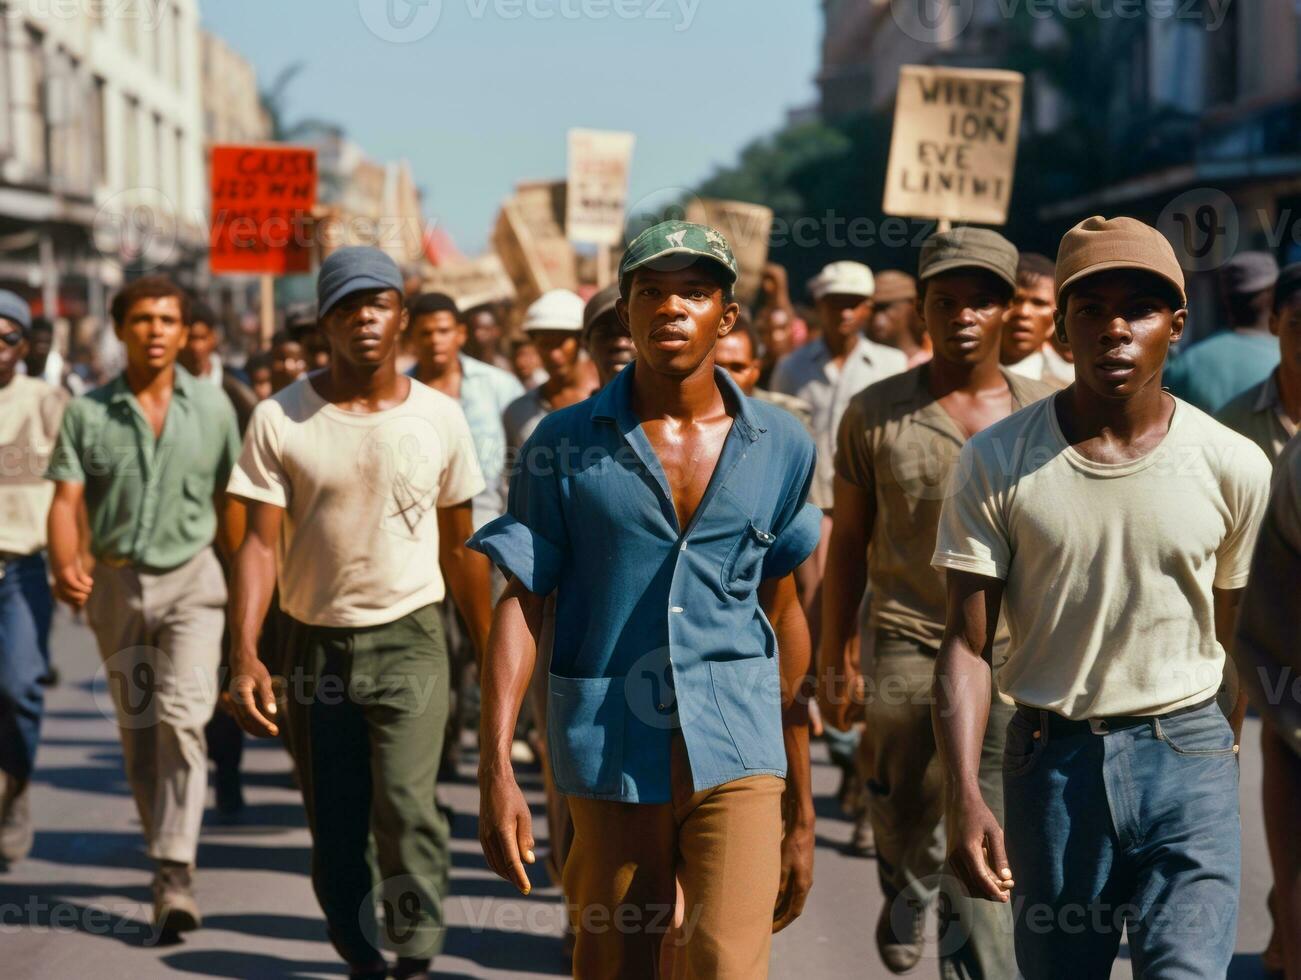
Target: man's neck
x=1289, y=391
x=686, y=398
x=36, y=366
x=906, y=345
x=201, y=370
x=943, y=377
x=1125, y=419
x=1250, y=329
x=840, y=346
x=147, y=383
x=440, y=375
x=7, y=379
x=346, y=382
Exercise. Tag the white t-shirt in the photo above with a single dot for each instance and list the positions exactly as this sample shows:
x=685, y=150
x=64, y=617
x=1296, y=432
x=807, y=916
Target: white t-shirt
x=359, y=541
x=30, y=411
x=1108, y=567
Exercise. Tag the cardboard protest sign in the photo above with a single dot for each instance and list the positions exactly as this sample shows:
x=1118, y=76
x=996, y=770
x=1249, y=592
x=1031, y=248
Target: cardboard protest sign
x=531, y=242
x=747, y=228
x=471, y=282
x=953, y=150
x=599, y=163
x=262, y=199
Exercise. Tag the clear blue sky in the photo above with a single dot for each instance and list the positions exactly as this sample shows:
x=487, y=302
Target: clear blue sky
x=484, y=99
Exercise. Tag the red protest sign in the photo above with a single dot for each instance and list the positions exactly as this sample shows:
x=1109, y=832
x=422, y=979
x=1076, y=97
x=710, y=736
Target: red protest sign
x=262, y=198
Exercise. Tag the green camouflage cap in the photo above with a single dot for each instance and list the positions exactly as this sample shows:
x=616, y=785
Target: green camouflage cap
x=676, y=245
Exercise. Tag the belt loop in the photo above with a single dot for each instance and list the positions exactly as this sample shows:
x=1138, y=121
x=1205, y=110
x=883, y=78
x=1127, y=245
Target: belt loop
x=1045, y=724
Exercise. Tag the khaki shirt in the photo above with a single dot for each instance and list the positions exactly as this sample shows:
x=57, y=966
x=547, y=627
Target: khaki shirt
x=1258, y=414
x=899, y=443
x=29, y=420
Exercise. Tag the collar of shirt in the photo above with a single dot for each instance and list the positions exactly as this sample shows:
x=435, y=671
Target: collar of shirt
x=928, y=411
x=182, y=384
x=1270, y=400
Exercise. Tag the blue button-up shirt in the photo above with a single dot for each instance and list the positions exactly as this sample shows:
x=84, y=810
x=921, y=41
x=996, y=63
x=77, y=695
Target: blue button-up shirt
x=486, y=391
x=658, y=629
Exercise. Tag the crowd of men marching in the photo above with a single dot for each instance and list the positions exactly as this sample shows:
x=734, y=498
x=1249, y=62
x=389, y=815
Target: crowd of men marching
x=980, y=506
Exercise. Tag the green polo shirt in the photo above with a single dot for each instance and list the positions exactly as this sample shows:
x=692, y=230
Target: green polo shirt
x=149, y=500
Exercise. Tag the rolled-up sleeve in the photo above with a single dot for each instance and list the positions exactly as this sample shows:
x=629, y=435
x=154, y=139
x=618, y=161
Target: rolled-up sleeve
x=529, y=541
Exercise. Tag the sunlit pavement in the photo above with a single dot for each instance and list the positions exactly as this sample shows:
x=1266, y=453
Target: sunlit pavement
x=80, y=906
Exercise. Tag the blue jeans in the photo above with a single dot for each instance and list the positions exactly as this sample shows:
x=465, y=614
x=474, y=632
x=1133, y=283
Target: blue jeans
x=1135, y=829
x=26, y=607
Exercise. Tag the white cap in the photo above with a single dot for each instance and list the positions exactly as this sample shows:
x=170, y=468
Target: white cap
x=843, y=279
x=558, y=309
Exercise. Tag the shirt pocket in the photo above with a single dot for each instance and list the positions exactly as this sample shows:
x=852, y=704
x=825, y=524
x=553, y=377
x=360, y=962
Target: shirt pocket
x=196, y=491
x=743, y=567
x=585, y=718
x=748, y=694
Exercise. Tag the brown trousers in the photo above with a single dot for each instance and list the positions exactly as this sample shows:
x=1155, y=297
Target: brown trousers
x=722, y=845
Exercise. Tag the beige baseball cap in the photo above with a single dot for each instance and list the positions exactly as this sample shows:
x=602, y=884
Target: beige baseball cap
x=1098, y=244
x=843, y=279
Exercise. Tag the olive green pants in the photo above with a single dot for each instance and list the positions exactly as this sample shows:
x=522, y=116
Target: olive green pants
x=366, y=711
x=906, y=786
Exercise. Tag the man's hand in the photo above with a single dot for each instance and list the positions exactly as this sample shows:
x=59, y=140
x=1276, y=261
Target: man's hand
x=976, y=851
x=505, y=827
x=796, y=874
x=72, y=585
x=253, y=697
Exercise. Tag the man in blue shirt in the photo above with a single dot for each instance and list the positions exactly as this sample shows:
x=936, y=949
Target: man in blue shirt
x=667, y=513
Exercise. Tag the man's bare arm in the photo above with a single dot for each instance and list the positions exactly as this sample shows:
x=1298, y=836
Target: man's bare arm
x=505, y=825
x=842, y=594
x=962, y=689
x=780, y=601
x=72, y=582
x=253, y=582
x=1226, y=624
x=468, y=573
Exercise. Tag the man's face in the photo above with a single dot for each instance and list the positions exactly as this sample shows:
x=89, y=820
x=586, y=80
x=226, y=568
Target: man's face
x=437, y=339
x=776, y=334
x=316, y=347
x=288, y=364
x=484, y=332
x=1120, y=329
x=891, y=322
x=13, y=348
x=963, y=311
x=843, y=315
x=675, y=318
x=558, y=350
x=198, y=348
x=260, y=382
x=735, y=355
x=152, y=333
x=1285, y=324
x=1029, y=320
x=364, y=327
x=610, y=345
x=39, y=343
x=525, y=361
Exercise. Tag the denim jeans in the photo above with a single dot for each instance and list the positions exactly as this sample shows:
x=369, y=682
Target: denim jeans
x=1136, y=829
x=26, y=607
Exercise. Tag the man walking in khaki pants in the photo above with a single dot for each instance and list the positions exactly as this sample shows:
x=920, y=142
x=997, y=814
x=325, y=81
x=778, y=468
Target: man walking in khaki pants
x=150, y=453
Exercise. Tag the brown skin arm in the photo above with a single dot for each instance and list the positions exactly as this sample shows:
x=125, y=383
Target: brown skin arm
x=231, y=518
x=505, y=825
x=1226, y=621
x=842, y=593
x=467, y=573
x=960, y=712
x=72, y=582
x=781, y=603
x=253, y=580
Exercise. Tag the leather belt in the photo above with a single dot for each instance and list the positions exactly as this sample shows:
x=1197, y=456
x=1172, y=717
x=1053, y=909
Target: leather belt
x=1102, y=725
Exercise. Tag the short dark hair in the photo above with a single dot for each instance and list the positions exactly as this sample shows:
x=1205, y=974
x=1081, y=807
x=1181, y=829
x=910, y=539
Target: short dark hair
x=519, y=343
x=1032, y=266
x=201, y=312
x=427, y=303
x=281, y=337
x=41, y=324
x=712, y=269
x=148, y=287
x=257, y=362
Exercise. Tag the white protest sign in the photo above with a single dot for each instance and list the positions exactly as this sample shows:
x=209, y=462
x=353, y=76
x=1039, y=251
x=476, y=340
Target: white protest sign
x=599, y=163
x=953, y=149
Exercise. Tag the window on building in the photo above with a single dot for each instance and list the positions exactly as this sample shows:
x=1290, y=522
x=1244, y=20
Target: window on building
x=1222, y=61
x=178, y=153
x=131, y=133
x=6, y=99
x=31, y=111
x=174, y=43
x=98, y=132
x=157, y=148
